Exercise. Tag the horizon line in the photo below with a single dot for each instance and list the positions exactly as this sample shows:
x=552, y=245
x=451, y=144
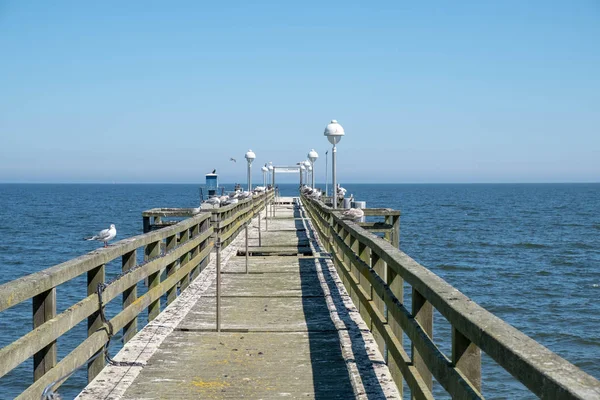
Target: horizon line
x=317, y=183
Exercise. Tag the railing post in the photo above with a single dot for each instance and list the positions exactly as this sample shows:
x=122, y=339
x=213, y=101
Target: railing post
x=151, y=251
x=203, y=227
x=184, y=259
x=44, y=309
x=195, y=231
x=128, y=261
x=466, y=356
x=396, y=231
x=171, y=268
x=95, y=276
x=396, y=285
x=146, y=224
x=380, y=267
x=364, y=253
x=422, y=312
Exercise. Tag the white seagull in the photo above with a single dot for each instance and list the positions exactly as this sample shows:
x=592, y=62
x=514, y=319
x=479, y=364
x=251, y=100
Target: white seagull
x=355, y=214
x=105, y=235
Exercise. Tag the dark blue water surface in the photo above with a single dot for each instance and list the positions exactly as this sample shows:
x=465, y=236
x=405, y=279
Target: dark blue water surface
x=529, y=253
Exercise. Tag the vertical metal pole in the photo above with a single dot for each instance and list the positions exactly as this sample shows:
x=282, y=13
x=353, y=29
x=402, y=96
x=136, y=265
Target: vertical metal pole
x=249, y=177
x=218, y=246
x=333, y=177
x=266, y=211
x=326, y=178
x=274, y=194
x=246, y=229
x=259, y=233
x=312, y=173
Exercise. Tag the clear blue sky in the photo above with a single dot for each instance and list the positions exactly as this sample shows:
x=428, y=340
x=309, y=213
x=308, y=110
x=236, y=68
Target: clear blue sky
x=440, y=91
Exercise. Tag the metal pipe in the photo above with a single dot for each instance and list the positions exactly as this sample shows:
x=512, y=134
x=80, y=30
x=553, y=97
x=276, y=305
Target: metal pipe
x=326, y=177
x=334, y=191
x=249, y=177
x=246, y=229
x=259, y=234
x=218, y=246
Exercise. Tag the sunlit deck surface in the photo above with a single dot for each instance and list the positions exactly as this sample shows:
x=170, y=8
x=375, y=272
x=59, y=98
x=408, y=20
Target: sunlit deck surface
x=288, y=329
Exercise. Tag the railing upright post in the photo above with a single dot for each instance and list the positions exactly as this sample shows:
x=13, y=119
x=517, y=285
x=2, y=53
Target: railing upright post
x=171, y=268
x=184, y=259
x=128, y=261
x=422, y=311
x=194, y=231
x=151, y=251
x=44, y=309
x=380, y=268
x=467, y=358
x=364, y=253
x=95, y=276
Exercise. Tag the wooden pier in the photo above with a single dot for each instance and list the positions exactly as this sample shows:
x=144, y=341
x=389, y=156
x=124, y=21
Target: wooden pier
x=288, y=329
x=311, y=305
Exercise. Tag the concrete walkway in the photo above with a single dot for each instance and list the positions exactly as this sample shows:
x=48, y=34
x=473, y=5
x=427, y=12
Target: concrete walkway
x=288, y=329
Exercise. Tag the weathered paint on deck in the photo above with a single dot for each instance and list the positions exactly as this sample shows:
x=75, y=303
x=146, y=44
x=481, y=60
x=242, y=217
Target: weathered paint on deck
x=289, y=329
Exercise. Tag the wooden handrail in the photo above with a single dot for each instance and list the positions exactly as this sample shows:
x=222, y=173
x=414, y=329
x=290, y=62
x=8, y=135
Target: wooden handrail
x=545, y=373
x=181, y=248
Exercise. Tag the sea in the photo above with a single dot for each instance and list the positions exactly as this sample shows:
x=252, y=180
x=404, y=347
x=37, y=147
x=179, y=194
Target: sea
x=529, y=253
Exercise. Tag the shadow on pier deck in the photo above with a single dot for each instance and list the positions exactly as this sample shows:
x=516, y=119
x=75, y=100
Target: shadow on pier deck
x=288, y=328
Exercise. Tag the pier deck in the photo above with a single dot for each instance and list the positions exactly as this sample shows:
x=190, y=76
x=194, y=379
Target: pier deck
x=288, y=329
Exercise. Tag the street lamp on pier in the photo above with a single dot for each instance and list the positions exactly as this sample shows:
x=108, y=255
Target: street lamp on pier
x=312, y=156
x=264, y=170
x=334, y=133
x=250, y=156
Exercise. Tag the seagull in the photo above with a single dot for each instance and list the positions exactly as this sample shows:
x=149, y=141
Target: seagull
x=354, y=214
x=232, y=159
x=213, y=201
x=105, y=235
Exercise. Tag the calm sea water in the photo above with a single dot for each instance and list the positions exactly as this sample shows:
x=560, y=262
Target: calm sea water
x=528, y=253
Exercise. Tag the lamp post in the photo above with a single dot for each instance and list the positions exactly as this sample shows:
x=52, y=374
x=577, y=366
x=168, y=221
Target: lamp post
x=264, y=170
x=306, y=170
x=334, y=133
x=250, y=156
x=302, y=169
x=270, y=167
x=312, y=156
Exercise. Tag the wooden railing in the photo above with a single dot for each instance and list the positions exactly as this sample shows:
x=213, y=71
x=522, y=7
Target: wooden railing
x=374, y=272
x=182, y=250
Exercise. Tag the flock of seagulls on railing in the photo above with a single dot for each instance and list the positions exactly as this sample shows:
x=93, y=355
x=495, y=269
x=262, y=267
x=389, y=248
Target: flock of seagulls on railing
x=231, y=198
x=354, y=214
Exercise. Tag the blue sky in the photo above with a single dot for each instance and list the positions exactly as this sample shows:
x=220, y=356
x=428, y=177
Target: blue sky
x=427, y=92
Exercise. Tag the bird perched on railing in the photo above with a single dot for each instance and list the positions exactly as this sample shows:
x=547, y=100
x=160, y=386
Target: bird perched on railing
x=105, y=235
x=354, y=214
x=234, y=200
x=211, y=202
x=341, y=192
